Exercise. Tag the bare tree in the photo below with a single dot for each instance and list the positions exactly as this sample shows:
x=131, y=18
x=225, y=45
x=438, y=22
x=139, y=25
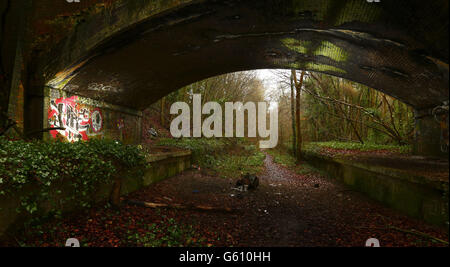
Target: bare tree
x=298, y=87
x=294, y=136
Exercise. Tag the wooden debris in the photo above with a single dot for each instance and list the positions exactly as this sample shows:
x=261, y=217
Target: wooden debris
x=179, y=206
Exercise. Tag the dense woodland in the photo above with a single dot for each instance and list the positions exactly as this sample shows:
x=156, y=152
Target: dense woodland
x=335, y=109
x=323, y=107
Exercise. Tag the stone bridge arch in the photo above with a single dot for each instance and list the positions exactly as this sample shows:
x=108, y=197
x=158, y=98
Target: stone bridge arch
x=131, y=53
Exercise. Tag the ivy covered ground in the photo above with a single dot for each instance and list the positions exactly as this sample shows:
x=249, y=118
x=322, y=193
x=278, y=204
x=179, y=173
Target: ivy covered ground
x=293, y=206
x=37, y=170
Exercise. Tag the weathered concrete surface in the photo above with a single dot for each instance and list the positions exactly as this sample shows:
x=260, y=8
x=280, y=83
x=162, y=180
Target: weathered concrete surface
x=160, y=166
x=13, y=23
x=422, y=195
x=131, y=53
x=374, y=44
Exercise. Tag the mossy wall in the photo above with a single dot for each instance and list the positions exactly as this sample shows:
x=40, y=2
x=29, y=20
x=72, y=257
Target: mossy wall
x=428, y=202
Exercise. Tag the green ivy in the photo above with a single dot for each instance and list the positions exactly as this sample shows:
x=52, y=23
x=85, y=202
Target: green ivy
x=41, y=171
x=314, y=146
x=166, y=233
x=203, y=149
x=217, y=154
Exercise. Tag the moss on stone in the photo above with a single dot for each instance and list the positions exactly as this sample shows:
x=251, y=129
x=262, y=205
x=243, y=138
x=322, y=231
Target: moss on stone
x=298, y=46
x=330, y=50
x=312, y=66
x=325, y=49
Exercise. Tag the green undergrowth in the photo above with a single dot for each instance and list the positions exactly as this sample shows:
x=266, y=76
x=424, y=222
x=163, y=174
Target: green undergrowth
x=202, y=148
x=287, y=160
x=56, y=173
x=366, y=147
x=226, y=157
x=166, y=233
x=239, y=164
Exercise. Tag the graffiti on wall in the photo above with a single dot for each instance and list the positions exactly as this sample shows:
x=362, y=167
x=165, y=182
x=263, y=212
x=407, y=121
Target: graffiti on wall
x=77, y=120
x=104, y=88
x=96, y=120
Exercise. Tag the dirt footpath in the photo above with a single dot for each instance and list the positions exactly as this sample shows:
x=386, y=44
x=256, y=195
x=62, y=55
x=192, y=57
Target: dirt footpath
x=287, y=209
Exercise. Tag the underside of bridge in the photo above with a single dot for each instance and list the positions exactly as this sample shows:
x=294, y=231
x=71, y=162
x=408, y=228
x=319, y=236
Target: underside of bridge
x=129, y=54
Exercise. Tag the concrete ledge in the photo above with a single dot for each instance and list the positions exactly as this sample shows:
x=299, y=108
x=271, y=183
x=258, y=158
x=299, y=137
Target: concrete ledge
x=162, y=156
x=160, y=166
x=414, y=195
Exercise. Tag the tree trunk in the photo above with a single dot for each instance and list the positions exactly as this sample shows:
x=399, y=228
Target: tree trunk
x=298, y=87
x=294, y=135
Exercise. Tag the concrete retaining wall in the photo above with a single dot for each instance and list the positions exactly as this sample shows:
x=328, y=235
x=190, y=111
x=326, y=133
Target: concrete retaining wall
x=415, y=196
x=160, y=166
